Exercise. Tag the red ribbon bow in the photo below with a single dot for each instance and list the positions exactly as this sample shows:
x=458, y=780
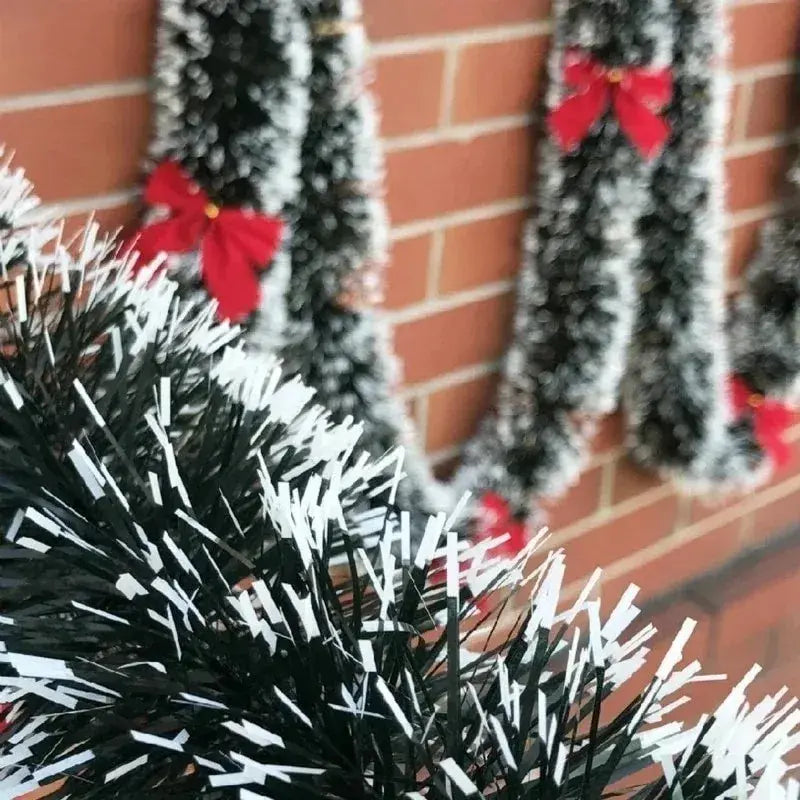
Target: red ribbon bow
x=234, y=244
x=495, y=520
x=637, y=94
x=771, y=419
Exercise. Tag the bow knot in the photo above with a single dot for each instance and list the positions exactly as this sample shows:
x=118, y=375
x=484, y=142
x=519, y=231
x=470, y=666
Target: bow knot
x=637, y=94
x=771, y=419
x=234, y=244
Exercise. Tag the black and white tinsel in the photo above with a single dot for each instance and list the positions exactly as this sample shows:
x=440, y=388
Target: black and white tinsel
x=679, y=414
x=336, y=342
x=765, y=330
x=577, y=293
x=622, y=289
x=231, y=105
x=148, y=649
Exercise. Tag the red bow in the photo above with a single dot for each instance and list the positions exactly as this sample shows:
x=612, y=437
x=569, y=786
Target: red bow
x=495, y=520
x=234, y=244
x=770, y=419
x=638, y=95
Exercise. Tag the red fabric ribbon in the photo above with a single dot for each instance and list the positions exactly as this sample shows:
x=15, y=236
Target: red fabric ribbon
x=637, y=94
x=495, y=520
x=234, y=244
x=771, y=419
x=5, y=710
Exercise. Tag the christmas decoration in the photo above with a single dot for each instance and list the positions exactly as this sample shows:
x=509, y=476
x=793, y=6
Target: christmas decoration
x=171, y=628
x=621, y=292
x=233, y=244
x=765, y=329
x=338, y=248
x=319, y=169
x=675, y=391
x=231, y=103
x=90, y=322
x=636, y=94
x=577, y=290
x=770, y=420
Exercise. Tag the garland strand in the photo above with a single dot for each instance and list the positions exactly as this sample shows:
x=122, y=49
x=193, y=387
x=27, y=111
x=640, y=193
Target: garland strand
x=231, y=104
x=576, y=293
x=339, y=249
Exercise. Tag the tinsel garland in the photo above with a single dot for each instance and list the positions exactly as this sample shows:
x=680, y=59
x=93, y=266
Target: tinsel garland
x=231, y=104
x=336, y=342
x=678, y=411
x=577, y=293
x=147, y=651
x=621, y=291
x=765, y=330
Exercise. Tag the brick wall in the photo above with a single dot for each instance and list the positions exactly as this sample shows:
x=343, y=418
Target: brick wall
x=457, y=81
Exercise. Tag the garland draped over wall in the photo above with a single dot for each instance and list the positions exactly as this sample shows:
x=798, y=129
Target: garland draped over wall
x=265, y=105
x=621, y=296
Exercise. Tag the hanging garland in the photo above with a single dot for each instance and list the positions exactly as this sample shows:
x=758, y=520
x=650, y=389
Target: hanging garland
x=317, y=167
x=621, y=292
x=577, y=290
x=765, y=332
x=622, y=287
x=338, y=250
x=231, y=105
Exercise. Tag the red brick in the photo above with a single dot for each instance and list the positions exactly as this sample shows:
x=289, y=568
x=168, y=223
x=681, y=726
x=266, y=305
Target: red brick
x=410, y=91
x=688, y=561
x=765, y=32
x=499, y=79
x=787, y=634
x=47, y=45
x=630, y=480
x=743, y=241
x=580, y=501
x=705, y=507
x=454, y=413
x=755, y=179
x=462, y=336
x=389, y=18
x=760, y=607
x=407, y=275
x=736, y=659
x=429, y=181
x=777, y=517
x=82, y=149
x=609, y=542
x=481, y=252
x=610, y=433
x=774, y=105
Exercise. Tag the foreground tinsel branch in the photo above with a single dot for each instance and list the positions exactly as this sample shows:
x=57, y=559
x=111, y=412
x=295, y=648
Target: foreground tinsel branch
x=171, y=626
x=143, y=654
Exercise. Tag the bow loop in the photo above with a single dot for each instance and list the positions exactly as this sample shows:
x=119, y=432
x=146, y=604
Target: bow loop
x=170, y=186
x=637, y=94
x=234, y=244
